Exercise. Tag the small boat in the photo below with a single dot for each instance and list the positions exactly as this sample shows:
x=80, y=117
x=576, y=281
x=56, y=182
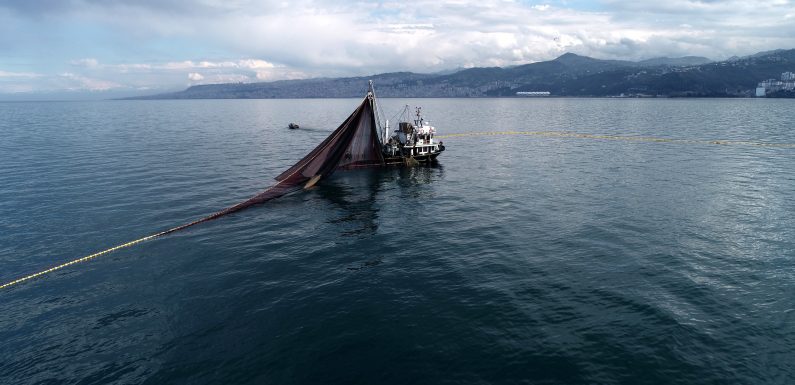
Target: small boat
x=292, y=126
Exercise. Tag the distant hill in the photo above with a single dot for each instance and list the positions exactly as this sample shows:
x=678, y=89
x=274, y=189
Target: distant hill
x=734, y=78
x=675, y=62
x=567, y=75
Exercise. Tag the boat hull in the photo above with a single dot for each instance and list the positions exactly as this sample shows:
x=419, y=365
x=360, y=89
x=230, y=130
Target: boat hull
x=424, y=158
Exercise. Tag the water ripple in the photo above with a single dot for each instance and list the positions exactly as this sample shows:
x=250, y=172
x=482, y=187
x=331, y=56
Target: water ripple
x=518, y=259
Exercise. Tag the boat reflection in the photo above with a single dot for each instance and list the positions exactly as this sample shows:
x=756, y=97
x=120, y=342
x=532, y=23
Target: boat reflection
x=413, y=180
x=355, y=192
x=360, y=194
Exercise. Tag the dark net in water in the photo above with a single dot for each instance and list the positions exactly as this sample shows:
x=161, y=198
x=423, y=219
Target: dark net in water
x=353, y=144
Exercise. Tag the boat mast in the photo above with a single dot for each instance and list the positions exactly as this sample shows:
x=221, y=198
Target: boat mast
x=377, y=110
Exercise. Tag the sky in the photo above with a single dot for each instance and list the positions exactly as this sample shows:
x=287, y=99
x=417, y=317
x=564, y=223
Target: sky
x=110, y=48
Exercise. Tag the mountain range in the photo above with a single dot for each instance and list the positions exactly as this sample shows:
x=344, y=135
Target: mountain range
x=567, y=75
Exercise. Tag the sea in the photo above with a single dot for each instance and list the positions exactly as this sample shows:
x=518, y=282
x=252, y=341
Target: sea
x=585, y=241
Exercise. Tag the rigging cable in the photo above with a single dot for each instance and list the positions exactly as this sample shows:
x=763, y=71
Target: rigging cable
x=402, y=113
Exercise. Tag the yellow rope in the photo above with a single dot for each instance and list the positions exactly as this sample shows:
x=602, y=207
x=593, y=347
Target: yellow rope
x=131, y=243
x=83, y=259
x=565, y=134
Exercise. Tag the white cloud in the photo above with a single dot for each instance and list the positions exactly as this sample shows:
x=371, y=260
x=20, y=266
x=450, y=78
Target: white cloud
x=252, y=64
x=134, y=67
x=19, y=82
x=228, y=78
x=6, y=74
x=94, y=76
x=81, y=83
x=86, y=62
x=264, y=40
x=255, y=64
x=428, y=35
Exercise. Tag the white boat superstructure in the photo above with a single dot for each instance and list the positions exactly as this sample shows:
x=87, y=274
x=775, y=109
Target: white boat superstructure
x=412, y=140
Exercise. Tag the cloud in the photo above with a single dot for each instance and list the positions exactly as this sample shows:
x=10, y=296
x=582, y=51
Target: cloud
x=7, y=74
x=430, y=35
x=76, y=82
x=189, y=64
x=263, y=40
x=93, y=75
x=85, y=62
x=19, y=82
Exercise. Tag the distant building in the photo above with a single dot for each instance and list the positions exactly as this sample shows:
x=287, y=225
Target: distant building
x=787, y=83
x=533, y=93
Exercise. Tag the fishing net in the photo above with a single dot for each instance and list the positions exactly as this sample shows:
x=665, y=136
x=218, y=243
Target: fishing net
x=353, y=144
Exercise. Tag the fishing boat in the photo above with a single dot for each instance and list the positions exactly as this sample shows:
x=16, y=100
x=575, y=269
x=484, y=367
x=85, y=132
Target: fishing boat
x=356, y=143
x=362, y=141
x=292, y=126
x=412, y=142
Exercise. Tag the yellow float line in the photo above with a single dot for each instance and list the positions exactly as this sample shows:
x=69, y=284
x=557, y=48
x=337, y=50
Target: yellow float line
x=131, y=243
x=83, y=259
x=565, y=134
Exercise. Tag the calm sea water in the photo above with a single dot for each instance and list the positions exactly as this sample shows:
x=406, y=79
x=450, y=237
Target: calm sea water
x=518, y=259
